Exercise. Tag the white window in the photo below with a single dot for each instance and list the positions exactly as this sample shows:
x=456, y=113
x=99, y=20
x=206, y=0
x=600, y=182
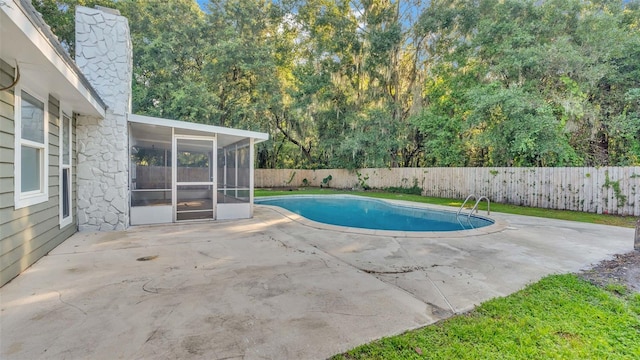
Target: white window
x=66, y=213
x=31, y=155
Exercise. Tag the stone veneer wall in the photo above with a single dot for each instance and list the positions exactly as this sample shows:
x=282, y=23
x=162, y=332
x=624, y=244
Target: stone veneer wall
x=104, y=54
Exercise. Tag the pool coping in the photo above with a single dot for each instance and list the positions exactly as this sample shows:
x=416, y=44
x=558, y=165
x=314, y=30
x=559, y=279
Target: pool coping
x=497, y=226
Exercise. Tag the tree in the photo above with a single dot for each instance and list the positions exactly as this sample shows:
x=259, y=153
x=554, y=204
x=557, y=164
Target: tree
x=60, y=16
x=529, y=83
x=384, y=83
x=169, y=61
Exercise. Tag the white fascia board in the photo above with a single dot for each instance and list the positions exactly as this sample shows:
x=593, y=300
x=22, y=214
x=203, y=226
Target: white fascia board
x=149, y=120
x=23, y=22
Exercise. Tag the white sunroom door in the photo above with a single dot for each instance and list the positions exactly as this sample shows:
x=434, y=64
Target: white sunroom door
x=194, y=178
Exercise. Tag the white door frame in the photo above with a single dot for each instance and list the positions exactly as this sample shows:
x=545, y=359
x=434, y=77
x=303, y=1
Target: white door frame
x=174, y=172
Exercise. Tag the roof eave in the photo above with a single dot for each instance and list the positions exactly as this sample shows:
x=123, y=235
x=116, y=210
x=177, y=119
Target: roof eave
x=34, y=37
x=150, y=120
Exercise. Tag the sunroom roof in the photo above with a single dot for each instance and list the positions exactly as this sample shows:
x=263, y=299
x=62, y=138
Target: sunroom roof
x=158, y=130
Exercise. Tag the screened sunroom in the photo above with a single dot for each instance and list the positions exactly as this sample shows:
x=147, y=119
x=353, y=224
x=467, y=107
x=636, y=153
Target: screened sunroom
x=181, y=171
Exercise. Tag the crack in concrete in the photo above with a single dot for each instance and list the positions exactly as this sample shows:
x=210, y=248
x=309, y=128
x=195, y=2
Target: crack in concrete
x=241, y=356
x=154, y=291
x=342, y=313
x=69, y=304
x=441, y=294
x=159, y=327
x=152, y=334
x=440, y=311
x=207, y=255
x=392, y=272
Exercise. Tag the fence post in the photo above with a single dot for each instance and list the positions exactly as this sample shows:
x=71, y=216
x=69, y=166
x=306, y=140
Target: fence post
x=636, y=242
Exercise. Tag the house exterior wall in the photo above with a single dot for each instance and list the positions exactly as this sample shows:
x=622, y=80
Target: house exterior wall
x=104, y=54
x=30, y=232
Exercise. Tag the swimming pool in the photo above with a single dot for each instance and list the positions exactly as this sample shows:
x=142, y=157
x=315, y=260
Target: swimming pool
x=366, y=213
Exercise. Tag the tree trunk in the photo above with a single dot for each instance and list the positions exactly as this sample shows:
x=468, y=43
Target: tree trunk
x=306, y=151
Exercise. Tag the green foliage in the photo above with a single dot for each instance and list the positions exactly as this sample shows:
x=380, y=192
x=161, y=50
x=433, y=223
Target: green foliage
x=356, y=84
x=326, y=181
x=362, y=181
x=293, y=174
x=635, y=303
x=168, y=66
x=617, y=289
x=615, y=185
x=561, y=316
x=191, y=159
x=442, y=140
x=60, y=16
x=517, y=128
x=149, y=157
x=413, y=190
x=526, y=83
x=625, y=145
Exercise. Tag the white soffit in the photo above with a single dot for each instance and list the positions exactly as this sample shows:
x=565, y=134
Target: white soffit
x=200, y=128
x=42, y=68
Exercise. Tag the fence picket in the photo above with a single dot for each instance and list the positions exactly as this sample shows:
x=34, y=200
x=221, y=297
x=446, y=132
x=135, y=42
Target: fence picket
x=582, y=189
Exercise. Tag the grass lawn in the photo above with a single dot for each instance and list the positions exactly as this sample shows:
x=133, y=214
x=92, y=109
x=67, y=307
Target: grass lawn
x=559, y=317
x=625, y=221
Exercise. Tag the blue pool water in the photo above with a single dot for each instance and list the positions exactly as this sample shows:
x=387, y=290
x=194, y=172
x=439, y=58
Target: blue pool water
x=374, y=214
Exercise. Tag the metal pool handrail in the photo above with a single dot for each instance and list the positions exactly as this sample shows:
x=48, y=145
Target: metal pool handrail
x=475, y=207
x=465, y=202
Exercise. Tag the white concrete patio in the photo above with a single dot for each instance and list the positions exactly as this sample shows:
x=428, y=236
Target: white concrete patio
x=271, y=287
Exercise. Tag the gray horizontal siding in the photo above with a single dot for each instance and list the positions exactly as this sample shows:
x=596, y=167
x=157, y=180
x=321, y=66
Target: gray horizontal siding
x=6, y=199
x=5, y=138
x=16, y=220
x=6, y=170
x=7, y=155
x=27, y=260
x=6, y=112
x=19, y=244
x=6, y=73
x=5, y=183
x=31, y=232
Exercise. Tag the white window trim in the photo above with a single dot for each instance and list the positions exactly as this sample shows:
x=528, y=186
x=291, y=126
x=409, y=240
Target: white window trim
x=22, y=200
x=65, y=221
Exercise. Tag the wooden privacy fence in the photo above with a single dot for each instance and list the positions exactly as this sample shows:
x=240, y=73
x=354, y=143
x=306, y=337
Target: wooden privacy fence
x=612, y=190
x=159, y=177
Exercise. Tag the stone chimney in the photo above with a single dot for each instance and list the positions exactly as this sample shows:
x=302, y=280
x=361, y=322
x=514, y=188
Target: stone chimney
x=104, y=54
